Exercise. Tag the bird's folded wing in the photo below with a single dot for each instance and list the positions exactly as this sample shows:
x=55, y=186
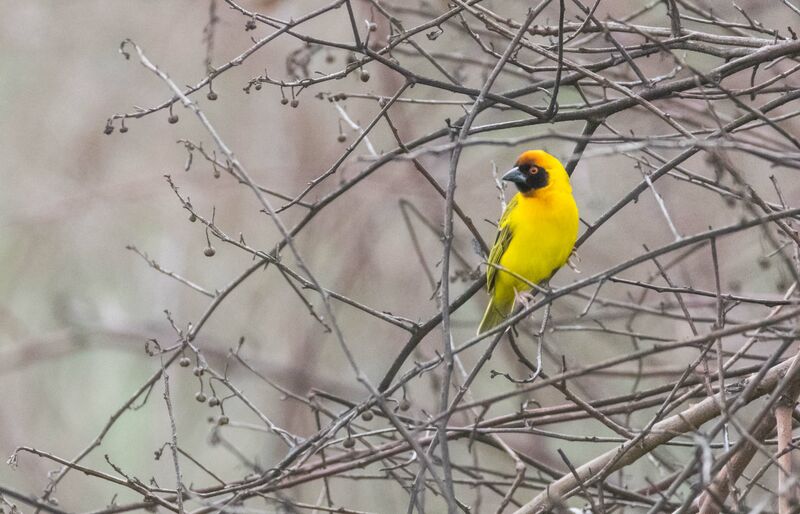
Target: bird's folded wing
x=500, y=245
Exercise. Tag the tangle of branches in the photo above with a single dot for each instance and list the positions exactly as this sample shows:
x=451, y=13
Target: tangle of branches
x=681, y=395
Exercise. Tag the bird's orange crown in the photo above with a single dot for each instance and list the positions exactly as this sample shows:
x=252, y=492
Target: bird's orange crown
x=539, y=159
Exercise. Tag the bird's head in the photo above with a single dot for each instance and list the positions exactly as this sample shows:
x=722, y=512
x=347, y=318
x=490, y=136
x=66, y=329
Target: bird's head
x=534, y=170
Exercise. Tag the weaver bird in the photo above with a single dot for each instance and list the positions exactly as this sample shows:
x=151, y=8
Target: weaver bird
x=535, y=236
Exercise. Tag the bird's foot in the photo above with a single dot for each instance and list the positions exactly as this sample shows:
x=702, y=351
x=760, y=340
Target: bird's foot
x=524, y=298
x=573, y=261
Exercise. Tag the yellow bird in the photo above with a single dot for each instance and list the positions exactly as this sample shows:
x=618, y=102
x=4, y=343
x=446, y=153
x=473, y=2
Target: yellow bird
x=536, y=233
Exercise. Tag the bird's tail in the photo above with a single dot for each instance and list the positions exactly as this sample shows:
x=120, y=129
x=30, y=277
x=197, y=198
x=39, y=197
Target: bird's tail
x=495, y=314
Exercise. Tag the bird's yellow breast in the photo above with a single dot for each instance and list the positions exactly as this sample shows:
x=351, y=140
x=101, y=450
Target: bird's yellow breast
x=544, y=227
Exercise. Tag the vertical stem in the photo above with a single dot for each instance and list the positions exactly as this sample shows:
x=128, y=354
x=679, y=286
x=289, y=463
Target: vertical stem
x=353, y=24
x=786, y=488
x=444, y=401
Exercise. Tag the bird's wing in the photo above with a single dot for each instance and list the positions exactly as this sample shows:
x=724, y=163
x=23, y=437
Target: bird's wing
x=500, y=245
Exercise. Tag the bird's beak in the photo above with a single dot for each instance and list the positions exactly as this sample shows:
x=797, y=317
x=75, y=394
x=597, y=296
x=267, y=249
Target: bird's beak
x=514, y=175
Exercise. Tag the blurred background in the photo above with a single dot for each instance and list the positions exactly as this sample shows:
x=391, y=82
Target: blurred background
x=76, y=306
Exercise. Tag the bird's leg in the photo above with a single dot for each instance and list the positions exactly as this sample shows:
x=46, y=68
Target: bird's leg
x=545, y=287
x=573, y=261
x=524, y=298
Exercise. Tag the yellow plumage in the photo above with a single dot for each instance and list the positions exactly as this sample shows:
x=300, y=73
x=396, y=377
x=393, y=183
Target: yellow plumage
x=536, y=233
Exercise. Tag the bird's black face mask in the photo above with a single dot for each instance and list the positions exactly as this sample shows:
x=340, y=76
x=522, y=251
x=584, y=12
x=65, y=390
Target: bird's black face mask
x=527, y=177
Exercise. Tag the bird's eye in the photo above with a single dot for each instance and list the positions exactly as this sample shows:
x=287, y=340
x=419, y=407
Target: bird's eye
x=534, y=170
